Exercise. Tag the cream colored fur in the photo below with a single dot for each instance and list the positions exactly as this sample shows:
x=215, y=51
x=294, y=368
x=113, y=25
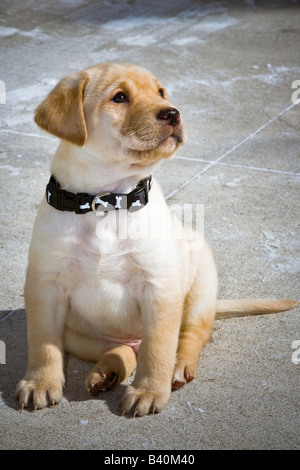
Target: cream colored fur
x=84, y=282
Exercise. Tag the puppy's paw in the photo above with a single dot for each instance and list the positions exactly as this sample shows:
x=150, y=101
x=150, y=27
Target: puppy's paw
x=183, y=374
x=96, y=382
x=139, y=402
x=39, y=389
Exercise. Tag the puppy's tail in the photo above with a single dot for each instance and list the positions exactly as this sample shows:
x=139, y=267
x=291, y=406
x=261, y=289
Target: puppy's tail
x=242, y=307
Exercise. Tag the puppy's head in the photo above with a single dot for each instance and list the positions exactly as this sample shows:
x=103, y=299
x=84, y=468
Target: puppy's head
x=116, y=111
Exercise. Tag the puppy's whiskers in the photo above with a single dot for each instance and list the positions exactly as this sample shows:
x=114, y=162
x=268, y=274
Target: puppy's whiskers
x=135, y=139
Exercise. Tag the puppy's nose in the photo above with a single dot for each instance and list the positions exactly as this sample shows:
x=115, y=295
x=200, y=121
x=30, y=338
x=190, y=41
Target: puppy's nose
x=170, y=115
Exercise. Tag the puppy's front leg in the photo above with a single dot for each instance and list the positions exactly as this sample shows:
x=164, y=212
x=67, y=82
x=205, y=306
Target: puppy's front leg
x=151, y=388
x=44, y=379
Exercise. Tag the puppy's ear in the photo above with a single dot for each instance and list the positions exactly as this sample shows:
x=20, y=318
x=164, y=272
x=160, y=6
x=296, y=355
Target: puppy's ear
x=61, y=113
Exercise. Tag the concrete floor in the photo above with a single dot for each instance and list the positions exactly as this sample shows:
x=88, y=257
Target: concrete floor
x=229, y=67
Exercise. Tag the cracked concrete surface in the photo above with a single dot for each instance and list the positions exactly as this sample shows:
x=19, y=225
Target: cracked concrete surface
x=229, y=67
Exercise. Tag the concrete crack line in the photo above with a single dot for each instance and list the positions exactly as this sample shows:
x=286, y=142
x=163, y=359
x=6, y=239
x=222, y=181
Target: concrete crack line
x=27, y=134
x=224, y=155
x=236, y=165
x=9, y=314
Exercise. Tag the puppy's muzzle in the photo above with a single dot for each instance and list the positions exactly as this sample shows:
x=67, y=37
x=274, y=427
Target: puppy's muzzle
x=170, y=115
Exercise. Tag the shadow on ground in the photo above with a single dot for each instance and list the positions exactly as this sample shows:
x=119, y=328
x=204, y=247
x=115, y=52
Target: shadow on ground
x=13, y=334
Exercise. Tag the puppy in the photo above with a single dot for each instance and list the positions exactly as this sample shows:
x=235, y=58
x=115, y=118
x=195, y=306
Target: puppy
x=112, y=276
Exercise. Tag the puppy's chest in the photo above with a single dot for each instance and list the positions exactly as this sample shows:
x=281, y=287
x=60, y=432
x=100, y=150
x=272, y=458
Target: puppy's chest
x=105, y=264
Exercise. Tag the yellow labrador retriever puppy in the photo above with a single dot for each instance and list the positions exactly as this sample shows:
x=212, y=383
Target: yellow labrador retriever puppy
x=112, y=276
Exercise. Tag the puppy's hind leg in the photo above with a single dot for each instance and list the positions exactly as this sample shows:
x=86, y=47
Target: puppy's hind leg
x=115, y=365
x=114, y=362
x=198, y=317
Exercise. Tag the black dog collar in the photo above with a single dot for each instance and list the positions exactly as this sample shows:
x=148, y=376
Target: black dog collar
x=101, y=203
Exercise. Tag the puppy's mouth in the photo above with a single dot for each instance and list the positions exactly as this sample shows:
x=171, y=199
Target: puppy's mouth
x=153, y=146
x=172, y=139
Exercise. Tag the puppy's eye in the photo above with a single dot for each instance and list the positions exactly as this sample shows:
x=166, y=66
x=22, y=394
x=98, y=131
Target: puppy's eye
x=161, y=93
x=120, y=98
